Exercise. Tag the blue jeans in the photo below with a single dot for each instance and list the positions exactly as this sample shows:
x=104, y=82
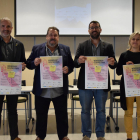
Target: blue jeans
x=86, y=98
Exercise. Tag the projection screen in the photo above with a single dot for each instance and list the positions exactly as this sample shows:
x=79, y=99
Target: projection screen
x=72, y=17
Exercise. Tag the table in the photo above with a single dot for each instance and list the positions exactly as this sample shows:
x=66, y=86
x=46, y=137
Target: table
x=74, y=91
x=27, y=90
x=114, y=88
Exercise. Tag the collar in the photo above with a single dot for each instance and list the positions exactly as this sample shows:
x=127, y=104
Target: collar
x=97, y=44
x=1, y=39
x=49, y=49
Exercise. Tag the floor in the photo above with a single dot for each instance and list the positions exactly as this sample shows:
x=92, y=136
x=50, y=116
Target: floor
x=108, y=136
x=77, y=135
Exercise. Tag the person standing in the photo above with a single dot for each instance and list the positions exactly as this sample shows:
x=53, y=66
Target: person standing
x=11, y=50
x=58, y=96
x=93, y=47
x=130, y=57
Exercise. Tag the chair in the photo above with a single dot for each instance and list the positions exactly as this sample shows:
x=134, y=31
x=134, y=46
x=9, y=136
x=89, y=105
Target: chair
x=23, y=98
x=74, y=98
x=115, y=96
x=116, y=99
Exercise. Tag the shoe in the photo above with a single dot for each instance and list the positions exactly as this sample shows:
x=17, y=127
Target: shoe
x=100, y=138
x=65, y=138
x=129, y=139
x=38, y=138
x=86, y=138
x=17, y=138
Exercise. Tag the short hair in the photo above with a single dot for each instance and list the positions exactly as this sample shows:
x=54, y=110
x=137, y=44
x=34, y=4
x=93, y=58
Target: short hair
x=130, y=37
x=7, y=19
x=94, y=21
x=53, y=28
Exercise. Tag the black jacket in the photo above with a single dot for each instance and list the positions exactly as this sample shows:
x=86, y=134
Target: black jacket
x=40, y=50
x=125, y=57
x=19, y=52
x=85, y=49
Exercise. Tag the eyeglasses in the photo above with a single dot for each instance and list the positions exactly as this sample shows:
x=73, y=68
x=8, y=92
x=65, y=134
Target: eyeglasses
x=96, y=27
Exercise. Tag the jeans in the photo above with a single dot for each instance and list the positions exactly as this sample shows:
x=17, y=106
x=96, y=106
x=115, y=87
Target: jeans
x=42, y=106
x=86, y=98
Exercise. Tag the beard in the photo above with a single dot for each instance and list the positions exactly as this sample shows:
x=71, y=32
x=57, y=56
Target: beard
x=3, y=34
x=52, y=44
x=95, y=36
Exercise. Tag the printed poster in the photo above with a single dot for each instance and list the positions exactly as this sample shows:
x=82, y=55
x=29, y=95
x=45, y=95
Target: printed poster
x=51, y=72
x=10, y=78
x=132, y=80
x=96, y=72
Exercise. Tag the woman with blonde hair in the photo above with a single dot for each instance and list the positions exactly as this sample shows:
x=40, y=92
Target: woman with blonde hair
x=131, y=56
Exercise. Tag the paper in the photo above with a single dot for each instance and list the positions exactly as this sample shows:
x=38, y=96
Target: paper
x=136, y=76
x=96, y=72
x=10, y=78
x=132, y=80
x=98, y=68
x=52, y=67
x=11, y=74
x=51, y=72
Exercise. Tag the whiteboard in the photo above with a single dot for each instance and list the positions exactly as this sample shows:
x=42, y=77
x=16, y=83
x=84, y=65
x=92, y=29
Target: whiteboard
x=72, y=17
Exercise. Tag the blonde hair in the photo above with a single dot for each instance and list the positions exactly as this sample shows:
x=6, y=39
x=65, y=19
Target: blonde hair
x=131, y=36
x=7, y=19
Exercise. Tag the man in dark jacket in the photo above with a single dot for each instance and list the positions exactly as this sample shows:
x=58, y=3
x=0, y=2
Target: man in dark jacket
x=93, y=47
x=11, y=50
x=58, y=95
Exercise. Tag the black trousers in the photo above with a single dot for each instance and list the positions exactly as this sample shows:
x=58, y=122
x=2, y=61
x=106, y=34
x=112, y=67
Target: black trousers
x=12, y=114
x=42, y=107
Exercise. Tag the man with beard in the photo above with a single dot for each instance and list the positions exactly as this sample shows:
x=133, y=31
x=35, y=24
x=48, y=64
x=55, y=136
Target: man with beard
x=93, y=47
x=44, y=96
x=11, y=50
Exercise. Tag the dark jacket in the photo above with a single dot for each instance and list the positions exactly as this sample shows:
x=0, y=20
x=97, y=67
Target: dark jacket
x=125, y=57
x=19, y=52
x=40, y=50
x=85, y=49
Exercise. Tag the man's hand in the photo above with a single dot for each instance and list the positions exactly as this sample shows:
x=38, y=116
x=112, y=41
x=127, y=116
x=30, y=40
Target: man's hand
x=129, y=63
x=37, y=61
x=111, y=61
x=23, y=66
x=82, y=59
x=65, y=70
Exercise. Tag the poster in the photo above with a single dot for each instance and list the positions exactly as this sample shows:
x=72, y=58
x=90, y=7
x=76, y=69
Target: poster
x=51, y=72
x=132, y=80
x=96, y=72
x=10, y=78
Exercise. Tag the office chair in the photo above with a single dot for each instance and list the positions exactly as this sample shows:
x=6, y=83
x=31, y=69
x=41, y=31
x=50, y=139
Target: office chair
x=116, y=99
x=74, y=98
x=23, y=98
